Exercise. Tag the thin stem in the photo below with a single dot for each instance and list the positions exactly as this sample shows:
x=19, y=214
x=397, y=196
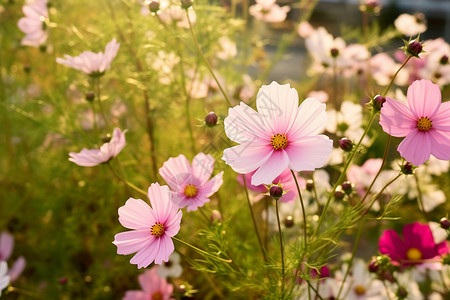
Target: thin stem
x=305, y=234
x=94, y=118
x=22, y=291
x=315, y=195
x=379, y=193
x=208, y=220
x=254, y=221
x=206, y=60
x=281, y=247
x=126, y=181
x=202, y=251
x=419, y=194
x=387, y=290
x=99, y=100
x=395, y=75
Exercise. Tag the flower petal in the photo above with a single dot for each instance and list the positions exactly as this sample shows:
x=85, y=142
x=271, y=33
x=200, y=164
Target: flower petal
x=202, y=166
x=174, y=170
x=424, y=98
x=391, y=245
x=245, y=159
x=273, y=167
x=166, y=248
x=132, y=241
x=6, y=245
x=441, y=120
x=136, y=214
x=161, y=201
x=311, y=119
x=309, y=153
x=440, y=144
x=396, y=118
x=146, y=255
x=135, y=295
x=172, y=225
x=416, y=147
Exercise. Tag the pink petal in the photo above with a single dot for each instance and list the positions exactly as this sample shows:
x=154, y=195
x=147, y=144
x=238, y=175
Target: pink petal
x=136, y=214
x=391, y=244
x=202, y=167
x=6, y=245
x=277, y=104
x=419, y=236
x=212, y=185
x=174, y=170
x=273, y=167
x=311, y=119
x=135, y=295
x=441, y=120
x=396, y=118
x=166, y=248
x=245, y=126
x=416, y=147
x=309, y=153
x=161, y=201
x=17, y=268
x=440, y=144
x=147, y=255
x=132, y=241
x=116, y=144
x=245, y=159
x=424, y=98
x=88, y=157
x=172, y=225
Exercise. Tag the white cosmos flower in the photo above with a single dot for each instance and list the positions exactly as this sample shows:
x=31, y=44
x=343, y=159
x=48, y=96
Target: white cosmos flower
x=410, y=25
x=4, y=279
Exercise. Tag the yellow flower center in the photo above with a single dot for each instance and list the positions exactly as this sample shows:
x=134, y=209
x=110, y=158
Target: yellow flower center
x=424, y=124
x=157, y=296
x=413, y=254
x=190, y=190
x=279, y=141
x=157, y=229
x=360, y=290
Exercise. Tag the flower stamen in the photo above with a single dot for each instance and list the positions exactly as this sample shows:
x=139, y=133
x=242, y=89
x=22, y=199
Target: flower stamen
x=279, y=141
x=190, y=190
x=413, y=254
x=424, y=124
x=157, y=229
x=360, y=290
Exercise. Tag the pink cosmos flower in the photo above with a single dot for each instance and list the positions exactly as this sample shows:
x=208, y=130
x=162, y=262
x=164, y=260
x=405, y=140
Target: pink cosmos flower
x=33, y=24
x=152, y=227
x=425, y=122
x=285, y=179
x=6, y=247
x=94, y=157
x=93, y=64
x=268, y=11
x=410, y=24
x=416, y=246
x=191, y=185
x=362, y=176
x=153, y=287
x=280, y=135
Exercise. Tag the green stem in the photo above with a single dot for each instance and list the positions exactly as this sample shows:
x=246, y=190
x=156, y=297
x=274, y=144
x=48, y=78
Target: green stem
x=281, y=248
x=395, y=75
x=254, y=221
x=126, y=181
x=202, y=251
x=205, y=59
x=379, y=193
x=99, y=100
x=305, y=233
x=22, y=291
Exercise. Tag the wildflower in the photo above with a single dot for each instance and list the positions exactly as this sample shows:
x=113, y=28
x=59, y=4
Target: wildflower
x=191, y=185
x=6, y=247
x=278, y=136
x=424, y=122
x=416, y=247
x=383, y=68
x=228, y=48
x=410, y=25
x=152, y=227
x=33, y=24
x=269, y=11
x=175, y=14
x=94, y=157
x=211, y=119
x=153, y=287
x=4, y=278
x=362, y=285
x=93, y=64
x=172, y=268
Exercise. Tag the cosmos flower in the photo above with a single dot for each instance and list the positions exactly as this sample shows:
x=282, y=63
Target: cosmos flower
x=94, y=157
x=6, y=247
x=362, y=285
x=280, y=135
x=416, y=247
x=152, y=227
x=153, y=287
x=190, y=184
x=172, y=268
x=424, y=122
x=269, y=11
x=4, y=278
x=33, y=24
x=410, y=25
x=93, y=64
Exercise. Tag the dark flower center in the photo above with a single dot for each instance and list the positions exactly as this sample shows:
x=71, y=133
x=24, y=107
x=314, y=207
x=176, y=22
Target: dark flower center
x=157, y=296
x=279, y=141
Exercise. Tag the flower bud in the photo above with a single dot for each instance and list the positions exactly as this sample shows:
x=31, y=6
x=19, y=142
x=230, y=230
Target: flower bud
x=90, y=96
x=339, y=195
x=373, y=265
x=334, y=52
x=26, y=68
x=211, y=119
x=414, y=48
x=106, y=138
x=289, y=221
x=347, y=187
x=62, y=280
x=445, y=223
x=309, y=185
x=216, y=216
x=186, y=3
x=407, y=168
x=378, y=102
x=153, y=6
x=346, y=144
x=402, y=293
x=443, y=60
x=276, y=192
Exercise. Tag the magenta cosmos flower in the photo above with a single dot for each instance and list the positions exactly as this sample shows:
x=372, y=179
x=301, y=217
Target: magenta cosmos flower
x=93, y=64
x=153, y=287
x=285, y=179
x=416, y=247
x=33, y=24
x=152, y=227
x=94, y=157
x=424, y=122
x=280, y=135
x=191, y=185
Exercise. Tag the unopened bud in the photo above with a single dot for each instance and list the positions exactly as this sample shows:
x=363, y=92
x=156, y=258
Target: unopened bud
x=373, y=265
x=289, y=221
x=309, y=185
x=402, y=293
x=186, y=3
x=106, y=138
x=339, y=195
x=90, y=96
x=414, y=48
x=346, y=144
x=407, y=168
x=334, y=52
x=445, y=223
x=216, y=216
x=62, y=280
x=276, y=192
x=378, y=102
x=347, y=187
x=211, y=119
x=153, y=6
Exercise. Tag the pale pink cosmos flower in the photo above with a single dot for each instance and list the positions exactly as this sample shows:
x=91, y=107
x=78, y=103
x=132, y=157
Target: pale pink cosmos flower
x=410, y=25
x=94, y=157
x=152, y=227
x=33, y=24
x=4, y=277
x=425, y=122
x=191, y=184
x=153, y=287
x=6, y=247
x=93, y=64
x=280, y=135
x=269, y=11
x=305, y=29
